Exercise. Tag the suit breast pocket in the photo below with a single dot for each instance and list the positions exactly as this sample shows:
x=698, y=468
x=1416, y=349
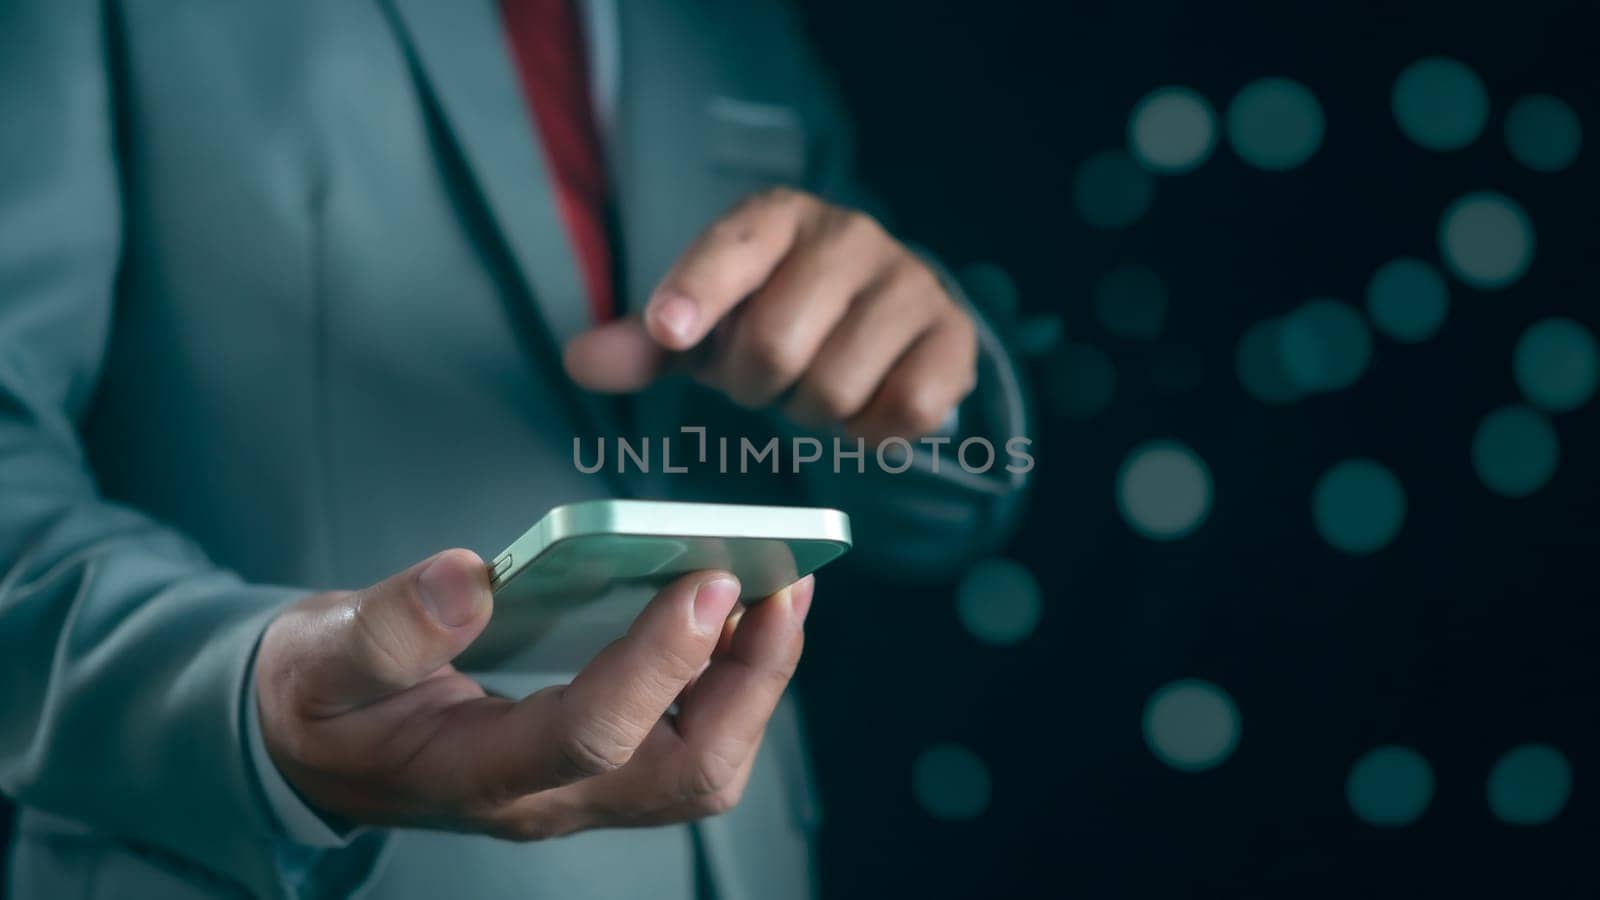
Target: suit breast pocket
x=756, y=145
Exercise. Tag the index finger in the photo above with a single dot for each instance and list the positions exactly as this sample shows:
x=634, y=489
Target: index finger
x=594, y=724
x=725, y=713
x=724, y=265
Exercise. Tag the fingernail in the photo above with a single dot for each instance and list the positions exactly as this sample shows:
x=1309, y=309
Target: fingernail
x=449, y=592
x=713, y=601
x=676, y=315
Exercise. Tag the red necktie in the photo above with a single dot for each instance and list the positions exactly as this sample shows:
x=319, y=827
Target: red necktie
x=548, y=46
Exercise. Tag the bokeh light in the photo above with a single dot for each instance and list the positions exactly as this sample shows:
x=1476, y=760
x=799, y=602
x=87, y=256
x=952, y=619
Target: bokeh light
x=1529, y=785
x=998, y=601
x=1390, y=786
x=1407, y=300
x=1037, y=335
x=1358, y=506
x=1275, y=124
x=1543, y=133
x=991, y=287
x=1515, y=451
x=1111, y=191
x=1163, y=490
x=1172, y=130
x=1259, y=364
x=1486, y=240
x=950, y=782
x=1131, y=302
x=1440, y=103
x=1191, y=724
x=1078, y=380
x=1324, y=345
x=1556, y=363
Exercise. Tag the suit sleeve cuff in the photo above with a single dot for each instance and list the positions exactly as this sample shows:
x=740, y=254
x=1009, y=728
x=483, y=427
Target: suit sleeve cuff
x=293, y=817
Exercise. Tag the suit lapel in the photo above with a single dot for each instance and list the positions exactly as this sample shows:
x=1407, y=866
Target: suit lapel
x=460, y=52
x=659, y=173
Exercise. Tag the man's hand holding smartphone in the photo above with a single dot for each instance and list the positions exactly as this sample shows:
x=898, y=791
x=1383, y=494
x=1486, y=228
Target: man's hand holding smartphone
x=785, y=299
x=362, y=711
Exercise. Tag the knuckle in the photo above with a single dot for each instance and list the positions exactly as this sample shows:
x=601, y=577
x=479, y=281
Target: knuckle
x=774, y=353
x=588, y=750
x=919, y=409
x=675, y=665
x=923, y=419
x=703, y=276
x=719, y=802
x=733, y=229
x=836, y=402
x=856, y=227
x=917, y=280
x=381, y=647
x=710, y=775
x=584, y=757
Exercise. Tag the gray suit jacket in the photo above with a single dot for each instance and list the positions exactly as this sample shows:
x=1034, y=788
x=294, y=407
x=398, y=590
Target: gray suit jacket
x=281, y=295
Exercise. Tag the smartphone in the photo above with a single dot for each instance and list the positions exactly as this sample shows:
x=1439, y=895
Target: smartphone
x=573, y=582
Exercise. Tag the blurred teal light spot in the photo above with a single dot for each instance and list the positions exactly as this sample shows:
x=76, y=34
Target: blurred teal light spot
x=950, y=782
x=1440, y=103
x=1038, y=335
x=998, y=601
x=1358, y=506
x=1259, y=364
x=1390, y=786
x=1163, y=490
x=1556, y=364
x=1515, y=451
x=1529, y=785
x=1131, y=302
x=991, y=287
x=1191, y=724
x=1078, y=380
x=1172, y=130
x=1407, y=300
x=1486, y=240
x=1543, y=133
x=1111, y=191
x=1274, y=124
x=1324, y=346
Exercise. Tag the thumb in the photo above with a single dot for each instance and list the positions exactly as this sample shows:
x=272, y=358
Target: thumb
x=616, y=357
x=379, y=641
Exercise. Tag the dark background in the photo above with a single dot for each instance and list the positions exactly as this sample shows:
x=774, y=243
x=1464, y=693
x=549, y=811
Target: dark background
x=1470, y=633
